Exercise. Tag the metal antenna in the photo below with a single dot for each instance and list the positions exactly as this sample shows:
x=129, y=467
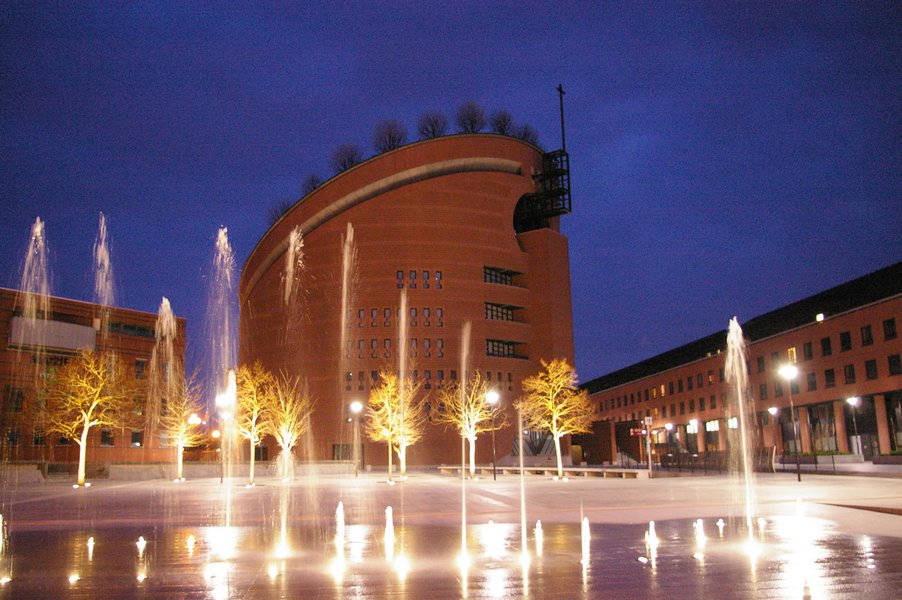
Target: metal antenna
x=560, y=90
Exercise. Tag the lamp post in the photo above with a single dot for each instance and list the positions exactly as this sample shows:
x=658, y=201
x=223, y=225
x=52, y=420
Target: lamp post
x=854, y=401
x=356, y=407
x=491, y=397
x=789, y=372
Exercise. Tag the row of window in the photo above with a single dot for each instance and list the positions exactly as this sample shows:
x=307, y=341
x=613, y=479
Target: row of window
x=427, y=348
x=871, y=372
x=498, y=275
x=425, y=282
x=502, y=348
x=866, y=335
x=619, y=402
x=428, y=380
x=427, y=316
x=39, y=438
x=500, y=312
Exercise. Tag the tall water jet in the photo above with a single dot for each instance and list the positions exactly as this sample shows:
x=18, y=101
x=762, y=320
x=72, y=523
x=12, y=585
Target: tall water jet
x=464, y=363
x=348, y=287
x=164, y=374
x=742, y=409
x=104, y=294
x=292, y=292
x=221, y=332
x=33, y=305
x=402, y=388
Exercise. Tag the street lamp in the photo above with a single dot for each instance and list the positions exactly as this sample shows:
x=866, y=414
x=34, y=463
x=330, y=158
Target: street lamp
x=789, y=372
x=854, y=401
x=492, y=397
x=356, y=407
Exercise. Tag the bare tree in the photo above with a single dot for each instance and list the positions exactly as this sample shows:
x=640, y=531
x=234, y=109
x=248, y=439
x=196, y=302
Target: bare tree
x=527, y=134
x=92, y=390
x=255, y=394
x=389, y=135
x=432, y=124
x=470, y=118
x=179, y=418
x=278, y=209
x=553, y=402
x=394, y=417
x=288, y=416
x=502, y=123
x=466, y=409
x=345, y=157
x=312, y=182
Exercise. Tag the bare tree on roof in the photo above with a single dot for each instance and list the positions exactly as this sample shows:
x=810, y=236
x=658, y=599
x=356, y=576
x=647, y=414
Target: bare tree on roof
x=312, y=182
x=470, y=118
x=388, y=135
x=432, y=124
x=502, y=123
x=345, y=157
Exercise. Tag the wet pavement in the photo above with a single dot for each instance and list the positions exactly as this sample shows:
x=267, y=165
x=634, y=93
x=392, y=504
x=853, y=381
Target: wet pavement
x=202, y=539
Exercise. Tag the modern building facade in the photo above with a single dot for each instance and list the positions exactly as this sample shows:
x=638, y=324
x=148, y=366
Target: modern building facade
x=466, y=227
x=30, y=354
x=845, y=345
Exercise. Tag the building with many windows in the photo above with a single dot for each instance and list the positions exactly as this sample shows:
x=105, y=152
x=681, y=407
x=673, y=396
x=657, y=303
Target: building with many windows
x=847, y=394
x=30, y=354
x=466, y=227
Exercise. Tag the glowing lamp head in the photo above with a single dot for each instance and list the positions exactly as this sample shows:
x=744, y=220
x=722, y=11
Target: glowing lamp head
x=215, y=434
x=854, y=401
x=356, y=407
x=773, y=410
x=492, y=397
x=789, y=371
x=668, y=426
x=194, y=419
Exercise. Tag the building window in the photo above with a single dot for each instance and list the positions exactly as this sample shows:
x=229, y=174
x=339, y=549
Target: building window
x=438, y=279
x=845, y=341
x=794, y=386
x=867, y=337
x=870, y=369
x=701, y=404
x=14, y=399
x=889, y=329
x=499, y=312
x=439, y=315
x=894, y=362
x=699, y=378
x=812, y=381
x=140, y=369
x=829, y=378
x=426, y=317
x=413, y=280
x=689, y=382
x=440, y=347
x=427, y=347
x=778, y=389
x=400, y=279
x=670, y=388
x=762, y=391
x=498, y=275
x=137, y=439
x=680, y=386
x=807, y=351
x=386, y=348
x=791, y=355
x=691, y=405
x=826, y=347
x=775, y=360
x=713, y=401
x=849, y=373
x=664, y=411
x=106, y=437
x=760, y=361
x=39, y=438
x=502, y=348
x=721, y=375
x=425, y=280
x=12, y=437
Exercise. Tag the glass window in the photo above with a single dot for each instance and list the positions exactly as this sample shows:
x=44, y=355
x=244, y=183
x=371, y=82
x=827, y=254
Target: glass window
x=137, y=439
x=762, y=391
x=894, y=362
x=870, y=369
x=400, y=279
x=807, y=352
x=680, y=386
x=826, y=347
x=689, y=382
x=670, y=388
x=775, y=360
x=889, y=329
x=39, y=438
x=845, y=341
x=438, y=279
x=425, y=279
x=829, y=378
x=701, y=404
x=849, y=373
x=106, y=437
x=812, y=381
x=760, y=361
x=867, y=336
x=778, y=389
x=699, y=379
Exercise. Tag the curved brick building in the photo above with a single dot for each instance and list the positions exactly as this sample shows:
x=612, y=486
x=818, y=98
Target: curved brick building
x=467, y=226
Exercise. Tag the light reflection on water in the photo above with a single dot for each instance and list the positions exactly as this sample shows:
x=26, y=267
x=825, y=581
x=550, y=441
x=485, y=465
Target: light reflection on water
x=797, y=556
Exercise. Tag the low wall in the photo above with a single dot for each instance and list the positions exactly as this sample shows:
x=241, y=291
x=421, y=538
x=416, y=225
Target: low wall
x=21, y=473
x=205, y=470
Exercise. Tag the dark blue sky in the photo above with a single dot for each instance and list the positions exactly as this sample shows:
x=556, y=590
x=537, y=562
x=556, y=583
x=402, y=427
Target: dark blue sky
x=725, y=159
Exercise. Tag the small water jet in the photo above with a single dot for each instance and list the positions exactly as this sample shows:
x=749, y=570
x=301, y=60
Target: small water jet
x=104, y=291
x=539, y=538
x=389, y=537
x=651, y=538
x=585, y=537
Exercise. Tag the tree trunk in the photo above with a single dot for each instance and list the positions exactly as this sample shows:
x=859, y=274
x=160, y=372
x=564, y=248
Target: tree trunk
x=251, y=478
x=82, y=455
x=472, y=441
x=390, y=451
x=557, y=451
x=180, y=462
x=402, y=462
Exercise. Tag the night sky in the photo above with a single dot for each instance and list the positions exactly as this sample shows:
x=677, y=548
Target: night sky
x=725, y=159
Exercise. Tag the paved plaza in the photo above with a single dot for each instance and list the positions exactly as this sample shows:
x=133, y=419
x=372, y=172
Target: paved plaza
x=828, y=536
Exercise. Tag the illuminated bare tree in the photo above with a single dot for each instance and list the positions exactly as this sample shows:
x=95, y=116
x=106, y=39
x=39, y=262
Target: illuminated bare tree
x=470, y=118
x=394, y=417
x=553, y=403
x=287, y=417
x=389, y=135
x=463, y=405
x=92, y=390
x=255, y=393
x=432, y=125
x=179, y=418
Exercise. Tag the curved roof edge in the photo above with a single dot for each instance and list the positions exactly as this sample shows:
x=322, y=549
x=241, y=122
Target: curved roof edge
x=386, y=184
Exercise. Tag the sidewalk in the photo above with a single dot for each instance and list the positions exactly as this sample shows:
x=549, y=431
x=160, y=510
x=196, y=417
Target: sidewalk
x=862, y=469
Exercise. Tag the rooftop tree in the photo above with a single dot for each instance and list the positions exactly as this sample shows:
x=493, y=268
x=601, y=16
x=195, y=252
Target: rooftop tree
x=470, y=118
x=553, y=403
x=389, y=135
x=432, y=124
x=502, y=123
x=345, y=157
